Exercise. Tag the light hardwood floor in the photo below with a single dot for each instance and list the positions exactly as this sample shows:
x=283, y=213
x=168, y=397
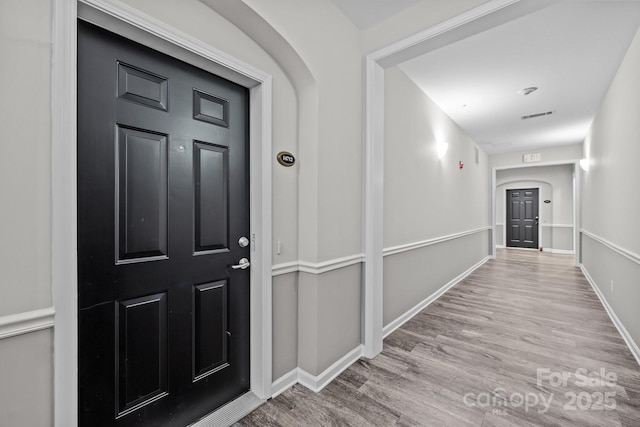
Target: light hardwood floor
x=504, y=336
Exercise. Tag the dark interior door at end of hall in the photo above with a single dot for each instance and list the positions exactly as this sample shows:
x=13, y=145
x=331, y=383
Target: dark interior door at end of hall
x=163, y=199
x=522, y=218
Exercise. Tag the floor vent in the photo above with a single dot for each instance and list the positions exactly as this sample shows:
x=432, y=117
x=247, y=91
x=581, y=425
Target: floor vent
x=533, y=116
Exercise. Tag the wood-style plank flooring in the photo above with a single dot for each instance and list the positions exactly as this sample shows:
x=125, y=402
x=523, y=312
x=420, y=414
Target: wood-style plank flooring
x=492, y=351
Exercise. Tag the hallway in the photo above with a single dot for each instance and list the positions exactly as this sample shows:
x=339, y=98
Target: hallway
x=523, y=340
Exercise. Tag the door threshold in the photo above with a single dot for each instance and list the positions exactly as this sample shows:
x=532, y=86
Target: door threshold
x=231, y=413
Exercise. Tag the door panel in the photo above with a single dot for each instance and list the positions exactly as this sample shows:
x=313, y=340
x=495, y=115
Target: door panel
x=522, y=218
x=141, y=198
x=210, y=328
x=211, y=165
x=162, y=197
x=142, y=368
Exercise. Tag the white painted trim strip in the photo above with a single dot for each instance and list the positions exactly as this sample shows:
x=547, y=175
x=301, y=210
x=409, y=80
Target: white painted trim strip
x=24, y=323
x=317, y=383
x=285, y=382
x=436, y=30
x=232, y=412
x=501, y=224
x=543, y=164
x=387, y=330
x=417, y=245
x=621, y=251
x=158, y=29
x=633, y=347
x=550, y=250
x=560, y=251
x=334, y=264
x=285, y=268
x=316, y=268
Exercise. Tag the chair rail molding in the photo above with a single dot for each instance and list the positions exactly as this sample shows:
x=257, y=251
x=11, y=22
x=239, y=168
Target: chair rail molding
x=434, y=241
x=617, y=249
x=316, y=267
x=26, y=322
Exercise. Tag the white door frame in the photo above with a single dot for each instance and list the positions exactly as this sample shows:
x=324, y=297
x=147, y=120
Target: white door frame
x=487, y=15
x=576, y=201
x=124, y=20
x=504, y=210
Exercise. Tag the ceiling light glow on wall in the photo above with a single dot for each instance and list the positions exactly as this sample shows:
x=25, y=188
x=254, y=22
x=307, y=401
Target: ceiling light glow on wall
x=442, y=149
x=584, y=164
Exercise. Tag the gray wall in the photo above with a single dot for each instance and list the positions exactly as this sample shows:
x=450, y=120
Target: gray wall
x=555, y=183
x=25, y=164
x=428, y=198
x=329, y=312
x=413, y=276
x=26, y=361
x=26, y=380
x=285, y=324
x=610, y=198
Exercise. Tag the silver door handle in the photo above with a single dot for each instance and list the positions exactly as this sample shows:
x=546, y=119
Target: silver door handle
x=242, y=264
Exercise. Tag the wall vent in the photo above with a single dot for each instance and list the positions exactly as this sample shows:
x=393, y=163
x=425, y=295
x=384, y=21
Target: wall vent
x=533, y=116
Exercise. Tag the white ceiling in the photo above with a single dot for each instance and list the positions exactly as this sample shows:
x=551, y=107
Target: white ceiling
x=570, y=50
x=367, y=13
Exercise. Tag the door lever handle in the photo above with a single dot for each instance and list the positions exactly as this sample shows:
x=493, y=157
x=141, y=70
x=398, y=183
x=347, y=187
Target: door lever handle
x=242, y=264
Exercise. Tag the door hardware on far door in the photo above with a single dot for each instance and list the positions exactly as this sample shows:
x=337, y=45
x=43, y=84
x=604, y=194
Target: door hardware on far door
x=243, y=242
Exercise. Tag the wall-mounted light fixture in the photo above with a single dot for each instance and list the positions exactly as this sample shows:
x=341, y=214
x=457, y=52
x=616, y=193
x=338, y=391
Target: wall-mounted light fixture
x=442, y=148
x=584, y=164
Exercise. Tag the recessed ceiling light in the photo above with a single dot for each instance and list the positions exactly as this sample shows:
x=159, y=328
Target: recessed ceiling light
x=527, y=90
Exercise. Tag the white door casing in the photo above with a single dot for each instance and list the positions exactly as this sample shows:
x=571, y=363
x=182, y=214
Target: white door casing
x=119, y=18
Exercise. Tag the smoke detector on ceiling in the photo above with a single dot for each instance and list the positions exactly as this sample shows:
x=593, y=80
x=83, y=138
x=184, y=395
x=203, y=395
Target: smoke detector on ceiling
x=527, y=90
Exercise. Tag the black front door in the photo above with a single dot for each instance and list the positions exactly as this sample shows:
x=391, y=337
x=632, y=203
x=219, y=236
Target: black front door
x=522, y=218
x=163, y=200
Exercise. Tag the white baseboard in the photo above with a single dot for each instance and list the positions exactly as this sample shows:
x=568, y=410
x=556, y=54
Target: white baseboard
x=387, y=330
x=633, y=347
x=317, y=383
x=559, y=251
x=550, y=250
x=285, y=382
x=312, y=382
